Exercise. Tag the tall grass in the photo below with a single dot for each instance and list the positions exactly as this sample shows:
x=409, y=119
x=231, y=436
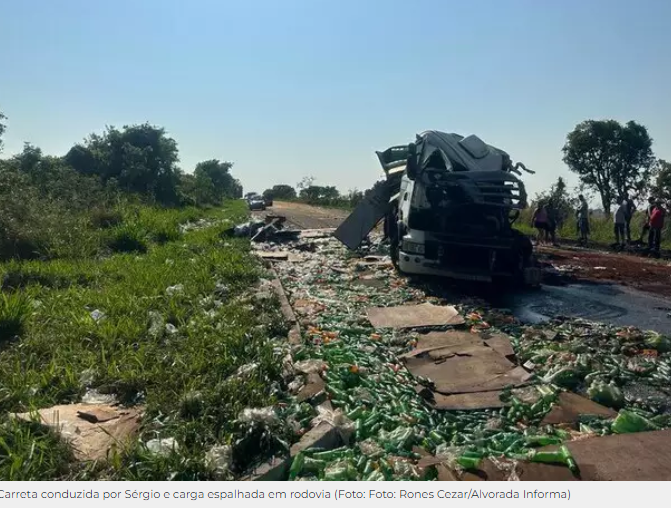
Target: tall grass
x=178, y=322
x=15, y=310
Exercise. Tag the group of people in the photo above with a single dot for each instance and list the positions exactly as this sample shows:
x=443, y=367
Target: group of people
x=544, y=219
x=652, y=226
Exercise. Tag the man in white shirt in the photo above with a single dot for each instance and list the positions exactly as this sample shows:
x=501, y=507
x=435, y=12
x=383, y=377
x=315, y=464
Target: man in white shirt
x=621, y=216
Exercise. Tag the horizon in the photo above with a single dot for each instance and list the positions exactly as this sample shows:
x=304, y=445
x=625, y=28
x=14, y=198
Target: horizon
x=297, y=89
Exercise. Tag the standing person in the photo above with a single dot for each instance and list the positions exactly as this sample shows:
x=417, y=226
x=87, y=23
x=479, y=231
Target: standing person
x=552, y=222
x=629, y=214
x=621, y=224
x=648, y=213
x=631, y=209
x=583, y=219
x=656, y=225
x=539, y=220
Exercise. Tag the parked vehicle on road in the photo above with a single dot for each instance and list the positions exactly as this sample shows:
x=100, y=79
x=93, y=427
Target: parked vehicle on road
x=256, y=203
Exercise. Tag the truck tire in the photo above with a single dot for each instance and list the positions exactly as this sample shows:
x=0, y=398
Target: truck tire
x=519, y=259
x=395, y=235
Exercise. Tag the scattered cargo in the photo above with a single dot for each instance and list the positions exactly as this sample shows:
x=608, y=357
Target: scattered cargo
x=380, y=395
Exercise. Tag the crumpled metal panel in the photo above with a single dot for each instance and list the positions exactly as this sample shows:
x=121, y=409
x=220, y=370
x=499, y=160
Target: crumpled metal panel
x=483, y=173
x=363, y=219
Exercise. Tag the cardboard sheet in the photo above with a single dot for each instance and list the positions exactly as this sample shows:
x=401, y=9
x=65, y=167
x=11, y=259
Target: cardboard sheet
x=422, y=315
x=465, y=369
x=501, y=344
x=467, y=401
x=569, y=407
x=91, y=430
x=447, y=338
x=631, y=457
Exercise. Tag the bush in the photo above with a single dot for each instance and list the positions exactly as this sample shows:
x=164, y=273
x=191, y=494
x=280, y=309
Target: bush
x=128, y=238
x=15, y=309
x=106, y=218
x=165, y=233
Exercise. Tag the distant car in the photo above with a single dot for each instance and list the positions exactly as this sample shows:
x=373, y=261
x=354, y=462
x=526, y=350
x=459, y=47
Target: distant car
x=268, y=201
x=257, y=203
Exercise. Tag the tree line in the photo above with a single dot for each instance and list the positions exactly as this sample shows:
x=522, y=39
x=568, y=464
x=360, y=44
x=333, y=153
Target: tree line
x=307, y=191
x=45, y=199
x=137, y=159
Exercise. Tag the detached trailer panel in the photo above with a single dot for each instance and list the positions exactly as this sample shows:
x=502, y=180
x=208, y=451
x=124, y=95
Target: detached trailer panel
x=363, y=219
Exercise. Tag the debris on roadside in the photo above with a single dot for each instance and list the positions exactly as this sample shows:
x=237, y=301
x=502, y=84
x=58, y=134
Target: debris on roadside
x=92, y=430
x=219, y=459
x=429, y=389
x=97, y=315
x=421, y=315
x=162, y=446
x=174, y=290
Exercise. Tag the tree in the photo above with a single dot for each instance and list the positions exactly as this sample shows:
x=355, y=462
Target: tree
x=82, y=159
x=223, y=183
x=662, y=187
x=354, y=197
x=142, y=158
x=3, y=127
x=610, y=158
x=281, y=192
x=305, y=182
x=28, y=161
x=320, y=194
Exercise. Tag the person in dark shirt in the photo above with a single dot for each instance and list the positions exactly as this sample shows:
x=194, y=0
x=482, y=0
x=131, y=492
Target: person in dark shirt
x=648, y=212
x=629, y=214
x=539, y=220
x=656, y=225
x=583, y=219
x=553, y=216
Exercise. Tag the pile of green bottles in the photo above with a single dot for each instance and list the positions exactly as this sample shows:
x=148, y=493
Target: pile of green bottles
x=394, y=427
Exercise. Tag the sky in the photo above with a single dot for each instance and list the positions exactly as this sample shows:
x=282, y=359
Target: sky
x=292, y=88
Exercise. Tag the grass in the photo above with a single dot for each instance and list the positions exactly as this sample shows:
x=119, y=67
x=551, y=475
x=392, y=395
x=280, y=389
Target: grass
x=15, y=310
x=185, y=379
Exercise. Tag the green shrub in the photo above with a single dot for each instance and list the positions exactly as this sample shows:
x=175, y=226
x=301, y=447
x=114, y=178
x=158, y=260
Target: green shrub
x=15, y=310
x=106, y=218
x=128, y=238
x=165, y=233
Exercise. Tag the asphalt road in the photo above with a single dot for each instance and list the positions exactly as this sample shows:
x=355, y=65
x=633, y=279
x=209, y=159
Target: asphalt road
x=305, y=217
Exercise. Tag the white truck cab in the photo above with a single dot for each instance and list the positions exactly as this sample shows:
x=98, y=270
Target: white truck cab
x=457, y=199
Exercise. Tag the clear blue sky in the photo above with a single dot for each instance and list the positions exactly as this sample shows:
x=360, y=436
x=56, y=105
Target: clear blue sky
x=289, y=88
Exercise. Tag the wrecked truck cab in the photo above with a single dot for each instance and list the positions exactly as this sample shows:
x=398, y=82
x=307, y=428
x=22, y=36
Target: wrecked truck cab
x=449, y=204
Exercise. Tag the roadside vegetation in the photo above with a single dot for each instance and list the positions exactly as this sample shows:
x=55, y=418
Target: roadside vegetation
x=118, y=279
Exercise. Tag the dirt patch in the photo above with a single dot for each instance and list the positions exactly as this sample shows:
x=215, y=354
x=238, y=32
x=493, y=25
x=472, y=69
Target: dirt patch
x=305, y=217
x=653, y=276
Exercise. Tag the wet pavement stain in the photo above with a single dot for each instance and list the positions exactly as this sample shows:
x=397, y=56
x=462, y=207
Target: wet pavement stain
x=612, y=304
